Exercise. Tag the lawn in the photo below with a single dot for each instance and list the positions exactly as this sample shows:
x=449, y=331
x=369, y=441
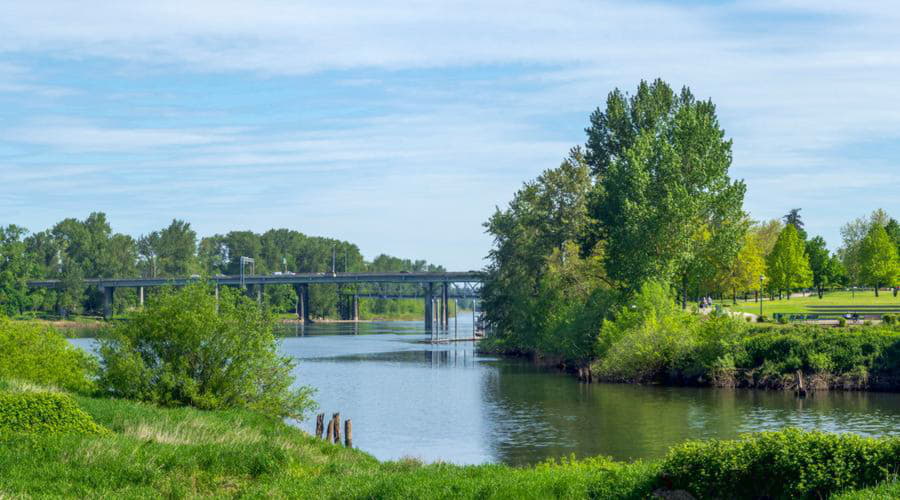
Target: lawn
x=798, y=304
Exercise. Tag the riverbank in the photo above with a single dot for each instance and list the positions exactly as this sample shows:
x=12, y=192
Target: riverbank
x=147, y=451
x=723, y=352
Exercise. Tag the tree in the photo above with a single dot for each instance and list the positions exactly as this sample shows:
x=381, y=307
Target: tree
x=793, y=218
x=788, y=266
x=853, y=234
x=766, y=234
x=542, y=216
x=878, y=259
x=744, y=270
x=824, y=271
x=893, y=230
x=663, y=193
x=15, y=268
x=186, y=347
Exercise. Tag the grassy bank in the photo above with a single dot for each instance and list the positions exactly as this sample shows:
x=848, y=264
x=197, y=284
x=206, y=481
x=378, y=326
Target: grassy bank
x=183, y=452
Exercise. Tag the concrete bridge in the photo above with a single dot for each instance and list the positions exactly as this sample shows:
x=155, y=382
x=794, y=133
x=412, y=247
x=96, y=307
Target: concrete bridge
x=436, y=288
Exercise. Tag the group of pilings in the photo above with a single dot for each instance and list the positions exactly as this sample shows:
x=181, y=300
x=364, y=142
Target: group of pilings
x=333, y=432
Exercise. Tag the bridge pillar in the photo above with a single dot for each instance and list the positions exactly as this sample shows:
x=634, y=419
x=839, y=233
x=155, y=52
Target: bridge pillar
x=259, y=293
x=429, y=306
x=445, y=306
x=355, y=307
x=140, y=291
x=108, y=298
x=302, y=290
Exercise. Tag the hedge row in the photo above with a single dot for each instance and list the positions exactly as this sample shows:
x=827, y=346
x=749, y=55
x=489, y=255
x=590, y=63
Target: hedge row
x=785, y=464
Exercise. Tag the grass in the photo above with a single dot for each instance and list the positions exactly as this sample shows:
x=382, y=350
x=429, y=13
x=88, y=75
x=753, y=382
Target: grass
x=797, y=305
x=183, y=452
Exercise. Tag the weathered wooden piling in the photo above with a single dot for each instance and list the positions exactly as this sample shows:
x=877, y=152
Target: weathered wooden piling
x=320, y=425
x=348, y=433
x=329, y=437
x=336, y=420
x=801, y=387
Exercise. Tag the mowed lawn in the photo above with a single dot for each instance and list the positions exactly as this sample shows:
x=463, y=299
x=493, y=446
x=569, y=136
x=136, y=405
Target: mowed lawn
x=798, y=304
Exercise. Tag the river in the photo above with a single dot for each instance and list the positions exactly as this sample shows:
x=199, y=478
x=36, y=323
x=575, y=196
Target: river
x=446, y=402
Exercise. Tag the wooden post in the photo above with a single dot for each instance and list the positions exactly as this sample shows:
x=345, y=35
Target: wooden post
x=320, y=425
x=348, y=433
x=336, y=419
x=329, y=437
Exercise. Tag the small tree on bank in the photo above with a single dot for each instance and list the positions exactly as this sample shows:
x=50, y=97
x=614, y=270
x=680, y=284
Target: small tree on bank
x=878, y=259
x=788, y=265
x=185, y=349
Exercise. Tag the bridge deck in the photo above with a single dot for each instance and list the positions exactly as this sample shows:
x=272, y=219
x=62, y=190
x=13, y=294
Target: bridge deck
x=299, y=278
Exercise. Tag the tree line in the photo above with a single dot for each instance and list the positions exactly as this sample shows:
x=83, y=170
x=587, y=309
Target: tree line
x=74, y=250
x=649, y=198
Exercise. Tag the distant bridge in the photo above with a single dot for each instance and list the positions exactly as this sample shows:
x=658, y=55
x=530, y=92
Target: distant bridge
x=436, y=288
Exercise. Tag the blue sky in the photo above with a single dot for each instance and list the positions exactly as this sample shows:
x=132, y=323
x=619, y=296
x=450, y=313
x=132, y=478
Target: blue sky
x=401, y=125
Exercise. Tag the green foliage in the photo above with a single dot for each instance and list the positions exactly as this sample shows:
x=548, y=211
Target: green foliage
x=44, y=413
x=185, y=349
x=788, y=265
x=15, y=268
x=664, y=201
x=879, y=263
x=39, y=354
x=785, y=464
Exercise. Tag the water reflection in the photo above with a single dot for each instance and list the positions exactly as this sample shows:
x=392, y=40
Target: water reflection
x=409, y=397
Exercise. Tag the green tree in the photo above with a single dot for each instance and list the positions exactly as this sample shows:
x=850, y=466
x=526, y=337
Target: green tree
x=879, y=265
x=664, y=196
x=15, y=268
x=542, y=216
x=826, y=270
x=788, y=265
x=853, y=234
x=893, y=230
x=744, y=270
x=188, y=348
x=794, y=219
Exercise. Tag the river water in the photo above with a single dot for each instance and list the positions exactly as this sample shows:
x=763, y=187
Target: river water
x=409, y=398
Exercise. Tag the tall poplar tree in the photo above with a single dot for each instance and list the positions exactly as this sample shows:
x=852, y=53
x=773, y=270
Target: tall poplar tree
x=663, y=199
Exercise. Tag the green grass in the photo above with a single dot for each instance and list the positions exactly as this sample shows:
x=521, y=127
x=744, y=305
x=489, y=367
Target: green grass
x=183, y=452
x=797, y=305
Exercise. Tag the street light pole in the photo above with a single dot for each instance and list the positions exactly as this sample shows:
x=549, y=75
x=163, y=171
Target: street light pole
x=761, y=278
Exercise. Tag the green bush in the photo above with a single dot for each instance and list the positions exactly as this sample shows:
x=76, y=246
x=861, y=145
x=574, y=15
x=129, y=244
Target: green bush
x=39, y=354
x=785, y=464
x=842, y=322
x=889, y=319
x=44, y=413
x=184, y=348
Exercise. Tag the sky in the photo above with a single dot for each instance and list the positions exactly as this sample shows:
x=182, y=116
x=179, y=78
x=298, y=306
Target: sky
x=401, y=126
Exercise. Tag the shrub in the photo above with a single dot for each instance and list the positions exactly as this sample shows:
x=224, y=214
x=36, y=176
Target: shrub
x=44, y=413
x=793, y=464
x=39, y=354
x=762, y=319
x=842, y=322
x=782, y=320
x=184, y=349
x=889, y=319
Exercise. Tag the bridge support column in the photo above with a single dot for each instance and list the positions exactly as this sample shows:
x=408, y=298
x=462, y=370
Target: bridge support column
x=259, y=293
x=445, y=306
x=302, y=290
x=140, y=291
x=355, y=307
x=429, y=306
x=108, y=298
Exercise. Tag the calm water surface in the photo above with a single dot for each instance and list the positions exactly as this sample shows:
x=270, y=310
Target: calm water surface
x=445, y=402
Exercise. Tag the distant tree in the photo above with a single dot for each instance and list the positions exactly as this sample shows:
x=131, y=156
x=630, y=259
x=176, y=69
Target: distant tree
x=879, y=265
x=15, y=268
x=793, y=218
x=663, y=194
x=893, y=230
x=177, y=249
x=788, y=265
x=822, y=264
x=743, y=272
x=766, y=234
x=853, y=234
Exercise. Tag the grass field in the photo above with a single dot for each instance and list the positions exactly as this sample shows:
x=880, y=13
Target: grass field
x=798, y=304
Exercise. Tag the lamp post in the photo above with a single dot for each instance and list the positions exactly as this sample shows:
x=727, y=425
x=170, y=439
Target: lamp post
x=761, y=279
